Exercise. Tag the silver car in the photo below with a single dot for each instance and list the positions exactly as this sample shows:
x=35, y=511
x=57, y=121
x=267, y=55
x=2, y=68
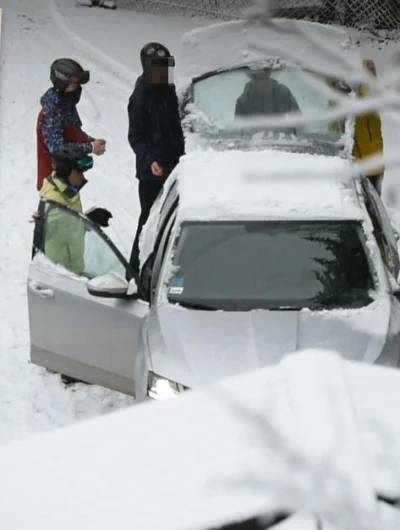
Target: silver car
x=239, y=267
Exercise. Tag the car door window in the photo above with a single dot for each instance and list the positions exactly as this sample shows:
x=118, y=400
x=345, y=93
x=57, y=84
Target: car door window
x=167, y=210
x=160, y=253
x=382, y=229
x=386, y=227
x=169, y=206
x=72, y=241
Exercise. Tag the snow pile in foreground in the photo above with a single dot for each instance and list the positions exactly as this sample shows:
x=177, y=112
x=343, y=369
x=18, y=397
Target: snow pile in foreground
x=314, y=433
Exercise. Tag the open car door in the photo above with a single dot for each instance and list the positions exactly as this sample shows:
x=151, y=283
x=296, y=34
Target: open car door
x=72, y=332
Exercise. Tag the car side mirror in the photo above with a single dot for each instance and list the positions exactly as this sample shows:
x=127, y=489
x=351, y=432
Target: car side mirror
x=113, y=285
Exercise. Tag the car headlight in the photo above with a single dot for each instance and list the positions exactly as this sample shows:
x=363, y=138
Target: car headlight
x=160, y=388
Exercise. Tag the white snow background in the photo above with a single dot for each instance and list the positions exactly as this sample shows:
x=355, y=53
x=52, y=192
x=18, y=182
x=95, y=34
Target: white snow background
x=34, y=33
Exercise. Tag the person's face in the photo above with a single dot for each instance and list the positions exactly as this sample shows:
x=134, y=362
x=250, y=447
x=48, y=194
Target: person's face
x=369, y=65
x=76, y=178
x=72, y=87
x=159, y=75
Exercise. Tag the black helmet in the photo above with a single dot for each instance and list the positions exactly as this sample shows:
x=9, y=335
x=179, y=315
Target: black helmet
x=65, y=71
x=156, y=54
x=70, y=158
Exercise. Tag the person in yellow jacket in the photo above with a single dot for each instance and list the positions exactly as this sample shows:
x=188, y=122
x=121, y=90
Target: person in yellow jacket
x=368, y=140
x=64, y=239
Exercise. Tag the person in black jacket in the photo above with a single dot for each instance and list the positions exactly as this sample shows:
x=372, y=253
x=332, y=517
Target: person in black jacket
x=264, y=95
x=155, y=130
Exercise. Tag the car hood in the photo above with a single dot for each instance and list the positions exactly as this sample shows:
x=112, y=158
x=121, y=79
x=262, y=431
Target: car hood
x=195, y=348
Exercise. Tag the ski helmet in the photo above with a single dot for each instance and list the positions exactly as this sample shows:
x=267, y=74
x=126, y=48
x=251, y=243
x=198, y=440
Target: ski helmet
x=70, y=158
x=65, y=71
x=156, y=54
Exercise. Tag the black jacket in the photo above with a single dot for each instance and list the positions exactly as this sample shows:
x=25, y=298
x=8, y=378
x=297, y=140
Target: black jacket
x=256, y=101
x=155, y=130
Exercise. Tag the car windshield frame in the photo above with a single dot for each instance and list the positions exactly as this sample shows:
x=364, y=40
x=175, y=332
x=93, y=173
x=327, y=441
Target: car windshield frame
x=192, y=114
x=370, y=294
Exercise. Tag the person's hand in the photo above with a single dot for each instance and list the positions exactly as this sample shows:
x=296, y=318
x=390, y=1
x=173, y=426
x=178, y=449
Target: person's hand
x=156, y=169
x=99, y=147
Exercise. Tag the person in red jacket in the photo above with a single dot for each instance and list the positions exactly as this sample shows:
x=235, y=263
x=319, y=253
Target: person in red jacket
x=58, y=123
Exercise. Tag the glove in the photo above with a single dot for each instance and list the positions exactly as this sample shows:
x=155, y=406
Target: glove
x=100, y=216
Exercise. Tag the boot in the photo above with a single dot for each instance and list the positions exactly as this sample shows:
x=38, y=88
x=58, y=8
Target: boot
x=67, y=380
x=108, y=4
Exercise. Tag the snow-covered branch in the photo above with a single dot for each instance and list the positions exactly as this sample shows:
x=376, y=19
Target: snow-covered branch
x=383, y=91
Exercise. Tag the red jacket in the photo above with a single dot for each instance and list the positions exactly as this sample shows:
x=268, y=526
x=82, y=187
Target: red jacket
x=56, y=126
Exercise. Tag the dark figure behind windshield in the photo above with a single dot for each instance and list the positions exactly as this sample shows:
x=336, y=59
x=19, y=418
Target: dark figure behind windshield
x=264, y=95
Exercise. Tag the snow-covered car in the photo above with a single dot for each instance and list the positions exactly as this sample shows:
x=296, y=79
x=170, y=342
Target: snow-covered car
x=268, y=72
x=240, y=265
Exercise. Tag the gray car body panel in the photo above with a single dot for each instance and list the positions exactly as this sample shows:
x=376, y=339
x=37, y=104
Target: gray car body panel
x=73, y=333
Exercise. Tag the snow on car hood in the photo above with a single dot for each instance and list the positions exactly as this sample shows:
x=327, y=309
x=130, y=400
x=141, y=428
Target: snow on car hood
x=196, y=348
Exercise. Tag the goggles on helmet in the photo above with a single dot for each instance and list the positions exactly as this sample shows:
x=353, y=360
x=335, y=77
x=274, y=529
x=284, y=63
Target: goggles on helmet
x=80, y=79
x=83, y=164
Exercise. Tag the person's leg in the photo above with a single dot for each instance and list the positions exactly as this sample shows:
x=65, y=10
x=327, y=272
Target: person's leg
x=148, y=192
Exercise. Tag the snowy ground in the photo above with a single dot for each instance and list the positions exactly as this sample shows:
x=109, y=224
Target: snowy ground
x=35, y=32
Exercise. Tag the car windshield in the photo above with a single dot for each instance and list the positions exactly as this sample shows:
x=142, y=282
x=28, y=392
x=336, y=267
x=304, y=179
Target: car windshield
x=241, y=266
x=220, y=98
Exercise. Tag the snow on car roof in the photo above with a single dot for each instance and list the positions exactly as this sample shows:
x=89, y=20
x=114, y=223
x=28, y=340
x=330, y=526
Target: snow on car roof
x=266, y=185
x=314, y=430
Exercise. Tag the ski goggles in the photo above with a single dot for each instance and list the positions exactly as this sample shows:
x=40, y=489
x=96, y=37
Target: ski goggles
x=83, y=164
x=81, y=79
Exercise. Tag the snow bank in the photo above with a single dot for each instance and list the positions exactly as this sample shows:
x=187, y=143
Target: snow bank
x=314, y=433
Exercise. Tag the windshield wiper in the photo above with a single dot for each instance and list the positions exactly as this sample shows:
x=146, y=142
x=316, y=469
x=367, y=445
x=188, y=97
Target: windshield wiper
x=195, y=305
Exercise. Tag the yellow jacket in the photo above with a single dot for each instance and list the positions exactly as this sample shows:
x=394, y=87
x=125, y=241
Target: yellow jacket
x=368, y=139
x=64, y=233
x=54, y=189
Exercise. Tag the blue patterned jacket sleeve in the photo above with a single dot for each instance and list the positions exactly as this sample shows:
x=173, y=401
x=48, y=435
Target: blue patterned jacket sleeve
x=75, y=118
x=53, y=125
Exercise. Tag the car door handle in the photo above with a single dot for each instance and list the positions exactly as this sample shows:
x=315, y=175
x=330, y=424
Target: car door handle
x=40, y=290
